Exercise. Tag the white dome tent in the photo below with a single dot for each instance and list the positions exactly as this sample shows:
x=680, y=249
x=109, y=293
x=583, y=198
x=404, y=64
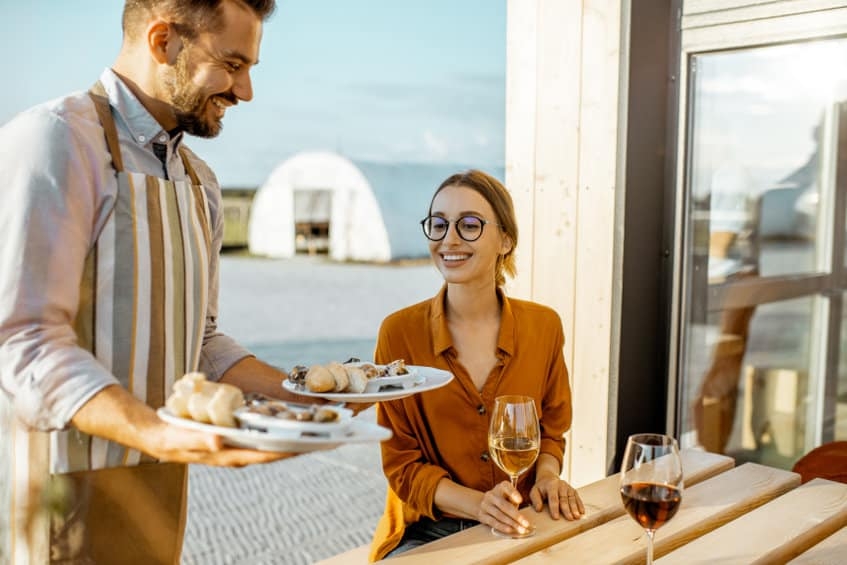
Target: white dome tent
x=366, y=211
x=318, y=199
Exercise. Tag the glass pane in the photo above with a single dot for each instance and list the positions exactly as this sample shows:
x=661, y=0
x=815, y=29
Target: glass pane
x=749, y=374
x=761, y=148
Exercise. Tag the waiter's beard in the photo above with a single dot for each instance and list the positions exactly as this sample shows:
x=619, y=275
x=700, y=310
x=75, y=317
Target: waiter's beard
x=190, y=105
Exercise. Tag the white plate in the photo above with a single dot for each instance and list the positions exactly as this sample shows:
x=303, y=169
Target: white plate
x=289, y=442
x=250, y=419
x=428, y=378
x=401, y=381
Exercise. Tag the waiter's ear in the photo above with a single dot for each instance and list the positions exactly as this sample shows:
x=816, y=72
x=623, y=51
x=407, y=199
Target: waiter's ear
x=163, y=41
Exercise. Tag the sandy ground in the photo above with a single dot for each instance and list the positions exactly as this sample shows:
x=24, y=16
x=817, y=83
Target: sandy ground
x=303, y=509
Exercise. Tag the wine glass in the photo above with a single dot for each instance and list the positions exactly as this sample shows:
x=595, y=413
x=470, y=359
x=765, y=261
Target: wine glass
x=514, y=440
x=651, y=482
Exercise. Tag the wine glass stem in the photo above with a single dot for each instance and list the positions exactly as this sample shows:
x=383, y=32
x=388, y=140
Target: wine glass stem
x=514, y=480
x=649, y=547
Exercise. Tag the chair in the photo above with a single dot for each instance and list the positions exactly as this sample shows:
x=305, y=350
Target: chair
x=829, y=461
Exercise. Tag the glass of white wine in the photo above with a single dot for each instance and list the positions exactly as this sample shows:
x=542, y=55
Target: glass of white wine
x=651, y=482
x=514, y=440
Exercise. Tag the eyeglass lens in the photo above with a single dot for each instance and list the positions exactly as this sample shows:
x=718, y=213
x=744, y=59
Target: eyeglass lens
x=469, y=227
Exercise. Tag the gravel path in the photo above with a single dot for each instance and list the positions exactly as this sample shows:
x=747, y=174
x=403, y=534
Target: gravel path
x=310, y=507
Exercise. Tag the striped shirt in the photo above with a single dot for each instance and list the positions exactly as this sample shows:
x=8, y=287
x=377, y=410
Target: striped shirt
x=58, y=187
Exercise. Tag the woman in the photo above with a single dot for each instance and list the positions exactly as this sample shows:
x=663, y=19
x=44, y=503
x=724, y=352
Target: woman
x=441, y=478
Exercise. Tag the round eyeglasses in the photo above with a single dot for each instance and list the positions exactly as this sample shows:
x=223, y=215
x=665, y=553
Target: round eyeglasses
x=469, y=228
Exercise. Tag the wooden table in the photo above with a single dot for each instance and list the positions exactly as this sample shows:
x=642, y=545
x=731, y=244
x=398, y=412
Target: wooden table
x=744, y=514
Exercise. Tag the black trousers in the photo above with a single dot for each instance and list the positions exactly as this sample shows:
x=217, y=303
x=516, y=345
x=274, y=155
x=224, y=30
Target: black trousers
x=426, y=530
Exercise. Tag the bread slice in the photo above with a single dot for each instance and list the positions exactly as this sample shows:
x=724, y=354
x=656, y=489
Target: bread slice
x=342, y=381
x=320, y=379
x=358, y=379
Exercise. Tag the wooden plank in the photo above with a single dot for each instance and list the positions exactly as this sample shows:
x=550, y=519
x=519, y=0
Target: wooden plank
x=553, y=222
x=599, y=191
x=705, y=506
x=736, y=35
x=831, y=551
x=760, y=11
x=602, y=501
x=774, y=533
x=522, y=77
x=702, y=6
x=561, y=133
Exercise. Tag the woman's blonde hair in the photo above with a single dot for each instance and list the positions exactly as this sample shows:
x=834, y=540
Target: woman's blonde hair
x=501, y=201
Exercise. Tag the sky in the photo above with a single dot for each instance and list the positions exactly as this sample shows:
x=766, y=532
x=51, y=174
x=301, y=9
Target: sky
x=378, y=80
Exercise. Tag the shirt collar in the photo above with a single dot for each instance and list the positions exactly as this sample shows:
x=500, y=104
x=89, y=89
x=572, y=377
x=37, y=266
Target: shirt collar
x=441, y=338
x=134, y=117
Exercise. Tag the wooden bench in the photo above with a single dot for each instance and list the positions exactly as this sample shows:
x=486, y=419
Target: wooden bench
x=602, y=501
x=775, y=532
x=831, y=551
x=622, y=540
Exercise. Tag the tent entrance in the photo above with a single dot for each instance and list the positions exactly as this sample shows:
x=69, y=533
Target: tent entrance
x=312, y=209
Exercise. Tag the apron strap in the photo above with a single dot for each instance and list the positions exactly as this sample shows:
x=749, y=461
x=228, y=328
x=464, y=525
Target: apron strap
x=199, y=197
x=104, y=112
x=189, y=170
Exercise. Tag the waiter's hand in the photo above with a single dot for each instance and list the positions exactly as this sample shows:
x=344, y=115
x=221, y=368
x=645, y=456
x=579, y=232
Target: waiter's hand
x=175, y=444
x=114, y=414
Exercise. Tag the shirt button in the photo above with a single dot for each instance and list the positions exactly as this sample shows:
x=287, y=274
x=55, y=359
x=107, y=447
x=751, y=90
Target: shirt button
x=142, y=138
x=481, y=409
x=485, y=457
x=163, y=138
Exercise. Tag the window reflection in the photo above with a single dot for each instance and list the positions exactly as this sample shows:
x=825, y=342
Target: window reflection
x=751, y=370
x=763, y=137
x=762, y=122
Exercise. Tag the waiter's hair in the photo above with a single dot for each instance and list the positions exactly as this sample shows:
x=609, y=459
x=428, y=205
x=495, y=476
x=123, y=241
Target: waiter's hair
x=188, y=16
x=501, y=201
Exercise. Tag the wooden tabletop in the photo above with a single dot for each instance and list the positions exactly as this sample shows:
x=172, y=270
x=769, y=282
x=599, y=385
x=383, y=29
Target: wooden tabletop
x=744, y=514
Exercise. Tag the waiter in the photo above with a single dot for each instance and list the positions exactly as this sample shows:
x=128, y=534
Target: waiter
x=111, y=230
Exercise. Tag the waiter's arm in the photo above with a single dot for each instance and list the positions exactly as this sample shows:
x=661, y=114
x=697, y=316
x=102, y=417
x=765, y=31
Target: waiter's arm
x=252, y=375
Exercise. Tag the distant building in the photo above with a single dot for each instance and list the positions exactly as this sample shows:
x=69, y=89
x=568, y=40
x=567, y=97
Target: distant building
x=324, y=203
x=236, y=203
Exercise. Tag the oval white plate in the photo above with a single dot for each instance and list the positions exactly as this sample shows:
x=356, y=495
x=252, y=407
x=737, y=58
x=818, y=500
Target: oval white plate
x=428, y=378
x=357, y=432
x=272, y=423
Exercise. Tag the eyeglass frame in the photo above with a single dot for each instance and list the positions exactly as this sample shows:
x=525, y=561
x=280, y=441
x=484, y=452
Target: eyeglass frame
x=455, y=222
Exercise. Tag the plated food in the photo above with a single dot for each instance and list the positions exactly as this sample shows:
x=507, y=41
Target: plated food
x=256, y=421
x=352, y=376
x=271, y=415
x=417, y=380
x=357, y=432
x=205, y=401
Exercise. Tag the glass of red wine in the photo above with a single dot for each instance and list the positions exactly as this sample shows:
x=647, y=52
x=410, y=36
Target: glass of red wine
x=514, y=439
x=651, y=482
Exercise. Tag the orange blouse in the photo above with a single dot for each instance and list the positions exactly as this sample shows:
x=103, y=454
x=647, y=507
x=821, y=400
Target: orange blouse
x=444, y=432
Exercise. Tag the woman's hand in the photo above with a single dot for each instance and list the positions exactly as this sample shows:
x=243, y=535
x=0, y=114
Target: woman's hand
x=499, y=509
x=561, y=498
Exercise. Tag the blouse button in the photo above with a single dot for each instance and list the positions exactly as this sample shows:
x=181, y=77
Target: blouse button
x=484, y=456
x=481, y=409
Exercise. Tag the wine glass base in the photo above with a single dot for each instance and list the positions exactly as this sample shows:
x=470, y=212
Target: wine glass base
x=528, y=534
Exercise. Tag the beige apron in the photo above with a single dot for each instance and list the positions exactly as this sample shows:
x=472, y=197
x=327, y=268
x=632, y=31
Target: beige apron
x=142, y=315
